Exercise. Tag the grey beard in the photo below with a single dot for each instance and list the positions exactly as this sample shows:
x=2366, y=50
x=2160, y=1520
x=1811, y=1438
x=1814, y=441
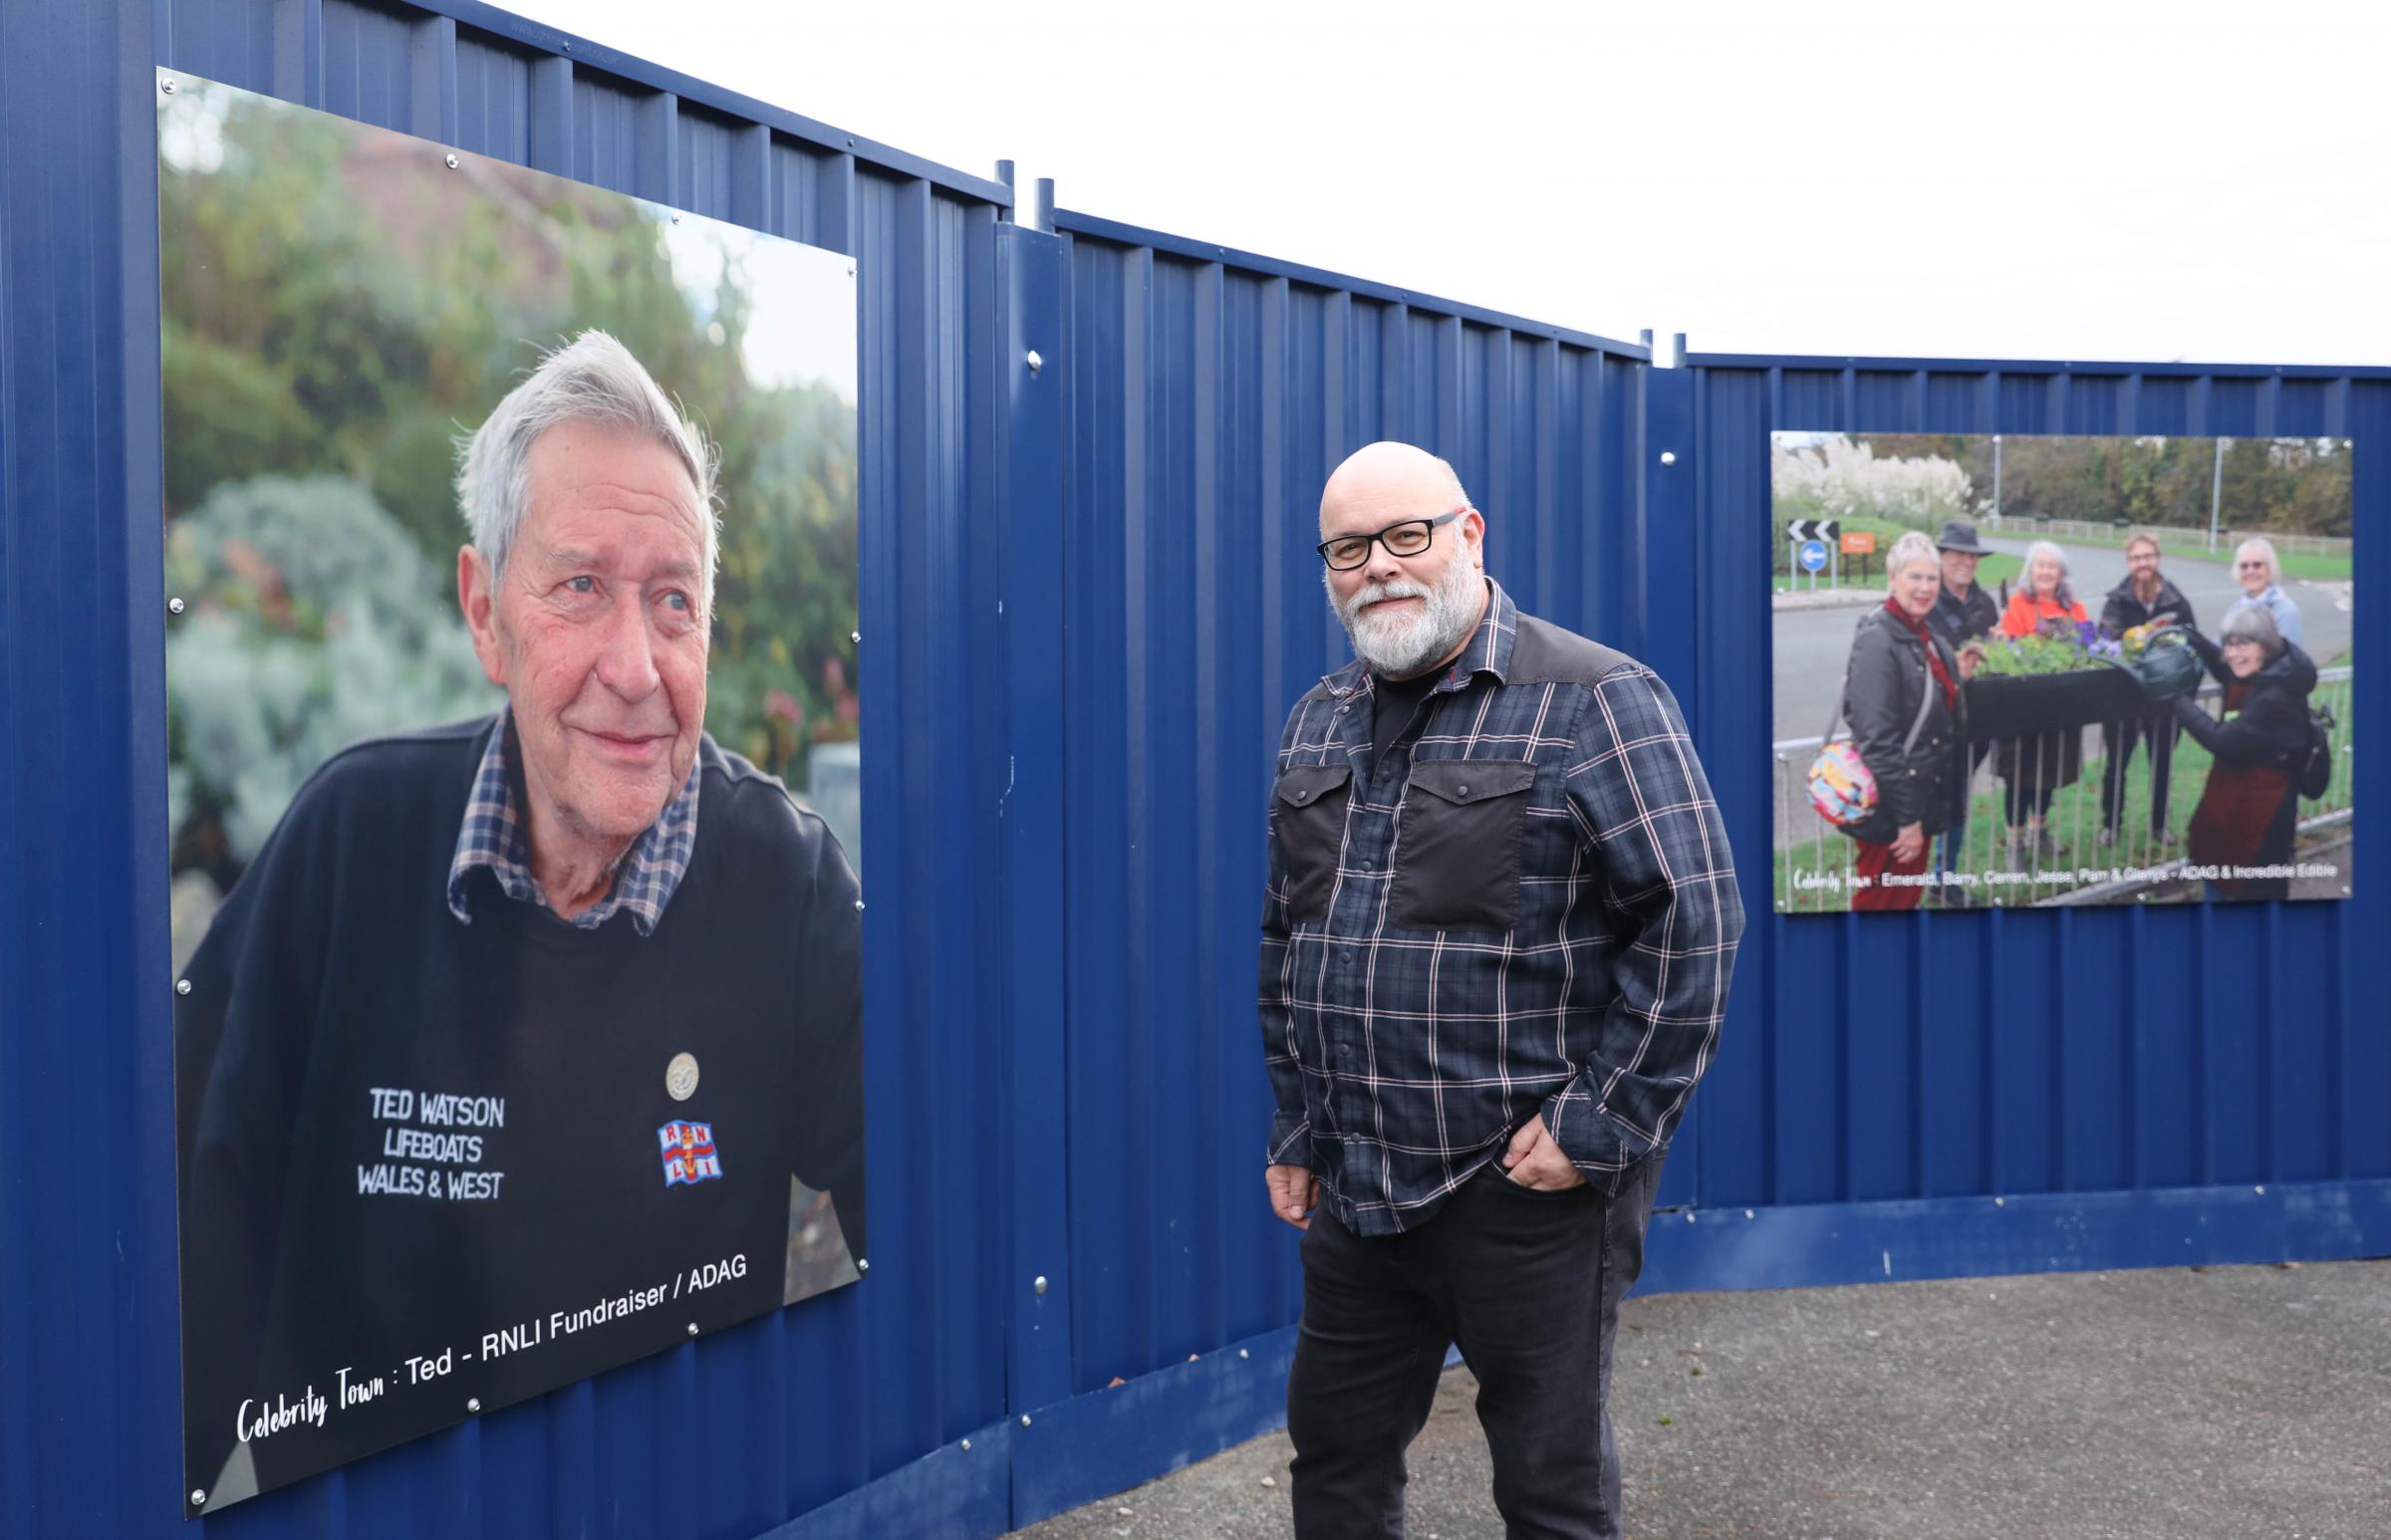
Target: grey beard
x=1449, y=613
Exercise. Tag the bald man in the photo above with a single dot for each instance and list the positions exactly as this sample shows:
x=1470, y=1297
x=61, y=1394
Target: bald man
x=1497, y=941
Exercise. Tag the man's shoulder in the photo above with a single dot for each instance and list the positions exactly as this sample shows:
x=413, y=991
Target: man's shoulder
x=380, y=775
x=1878, y=636
x=1312, y=704
x=755, y=810
x=1546, y=653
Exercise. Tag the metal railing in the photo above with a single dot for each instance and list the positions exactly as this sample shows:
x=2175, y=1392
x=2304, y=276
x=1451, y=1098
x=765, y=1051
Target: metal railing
x=2016, y=525
x=2002, y=855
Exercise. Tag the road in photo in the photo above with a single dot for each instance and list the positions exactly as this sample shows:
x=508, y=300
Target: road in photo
x=1812, y=645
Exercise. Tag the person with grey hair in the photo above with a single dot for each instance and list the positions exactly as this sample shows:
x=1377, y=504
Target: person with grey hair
x=1902, y=698
x=519, y=1013
x=2260, y=573
x=2042, y=603
x=1482, y=820
x=2250, y=809
x=1962, y=613
x=590, y=380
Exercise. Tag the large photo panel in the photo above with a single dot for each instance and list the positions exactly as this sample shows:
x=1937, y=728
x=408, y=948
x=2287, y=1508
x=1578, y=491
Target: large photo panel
x=513, y=779
x=2016, y=670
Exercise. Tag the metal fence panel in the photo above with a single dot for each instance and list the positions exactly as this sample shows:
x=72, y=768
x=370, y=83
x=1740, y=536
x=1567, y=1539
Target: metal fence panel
x=2038, y=1050
x=1213, y=393
x=794, y=1409
x=1066, y=812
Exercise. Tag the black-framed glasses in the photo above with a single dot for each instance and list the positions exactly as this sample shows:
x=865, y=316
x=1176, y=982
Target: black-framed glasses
x=1408, y=538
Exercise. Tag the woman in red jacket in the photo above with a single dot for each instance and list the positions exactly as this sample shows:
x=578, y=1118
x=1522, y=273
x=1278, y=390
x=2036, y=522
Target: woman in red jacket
x=2043, y=597
x=2033, y=767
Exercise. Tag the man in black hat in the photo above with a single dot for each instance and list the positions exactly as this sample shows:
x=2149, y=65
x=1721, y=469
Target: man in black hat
x=1963, y=612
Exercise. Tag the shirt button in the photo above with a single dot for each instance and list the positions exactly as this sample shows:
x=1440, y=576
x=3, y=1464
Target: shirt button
x=1461, y=790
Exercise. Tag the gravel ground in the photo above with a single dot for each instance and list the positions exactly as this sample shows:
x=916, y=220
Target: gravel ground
x=2176, y=1404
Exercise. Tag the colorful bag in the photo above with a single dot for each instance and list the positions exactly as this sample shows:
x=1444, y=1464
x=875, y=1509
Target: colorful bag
x=1842, y=788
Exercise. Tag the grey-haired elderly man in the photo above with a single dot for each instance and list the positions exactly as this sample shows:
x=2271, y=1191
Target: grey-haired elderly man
x=1501, y=920
x=524, y=1017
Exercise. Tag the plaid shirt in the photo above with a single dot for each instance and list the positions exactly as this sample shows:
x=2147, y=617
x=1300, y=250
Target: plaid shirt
x=1527, y=909
x=493, y=837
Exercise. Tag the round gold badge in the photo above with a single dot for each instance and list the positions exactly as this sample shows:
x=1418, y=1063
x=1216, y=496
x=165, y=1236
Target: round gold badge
x=681, y=1077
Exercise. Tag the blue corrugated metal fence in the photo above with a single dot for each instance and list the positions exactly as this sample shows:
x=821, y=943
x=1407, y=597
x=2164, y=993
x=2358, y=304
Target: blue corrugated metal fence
x=1087, y=597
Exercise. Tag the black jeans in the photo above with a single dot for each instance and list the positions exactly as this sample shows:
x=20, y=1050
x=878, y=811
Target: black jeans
x=1528, y=1285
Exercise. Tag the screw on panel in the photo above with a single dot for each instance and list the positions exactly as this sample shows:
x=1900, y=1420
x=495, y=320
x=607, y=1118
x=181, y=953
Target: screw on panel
x=966, y=1443
x=676, y=219
x=850, y=270
x=856, y=637
x=862, y=1266
x=2261, y=1190
x=1688, y=1217
x=693, y=1328
x=473, y=1404
x=1039, y=1283
x=1035, y=363
x=859, y=905
x=198, y=1493
x=1749, y=1214
x=2001, y=1203
x=1667, y=457
x=1242, y=1353
x=174, y=607
x=168, y=86
x=1024, y=1419
x=183, y=987
x=449, y=161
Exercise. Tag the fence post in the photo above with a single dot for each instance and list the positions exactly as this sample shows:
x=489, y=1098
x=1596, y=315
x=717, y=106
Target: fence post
x=1029, y=377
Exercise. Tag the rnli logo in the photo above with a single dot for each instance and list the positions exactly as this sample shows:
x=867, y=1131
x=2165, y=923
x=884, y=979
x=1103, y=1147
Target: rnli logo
x=689, y=1153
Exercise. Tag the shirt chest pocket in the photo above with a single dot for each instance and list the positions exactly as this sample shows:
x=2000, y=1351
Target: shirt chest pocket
x=1307, y=816
x=1457, y=845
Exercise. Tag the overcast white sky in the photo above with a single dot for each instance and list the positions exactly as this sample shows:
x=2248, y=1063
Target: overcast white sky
x=2026, y=179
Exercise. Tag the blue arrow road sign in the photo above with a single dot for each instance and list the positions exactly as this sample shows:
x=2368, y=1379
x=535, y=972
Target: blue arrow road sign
x=1813, y=556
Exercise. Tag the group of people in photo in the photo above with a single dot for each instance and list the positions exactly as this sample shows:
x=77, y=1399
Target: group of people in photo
x=1905, y=704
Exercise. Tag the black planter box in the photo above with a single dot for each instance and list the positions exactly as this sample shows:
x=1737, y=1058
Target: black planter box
x=2012, y=705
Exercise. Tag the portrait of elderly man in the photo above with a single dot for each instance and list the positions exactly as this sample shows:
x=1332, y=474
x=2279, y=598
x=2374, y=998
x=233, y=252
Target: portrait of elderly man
x=1499, y=928
x=502, y=1062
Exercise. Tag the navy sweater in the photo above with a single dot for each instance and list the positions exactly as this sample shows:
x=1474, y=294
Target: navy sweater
x=410, y=1138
